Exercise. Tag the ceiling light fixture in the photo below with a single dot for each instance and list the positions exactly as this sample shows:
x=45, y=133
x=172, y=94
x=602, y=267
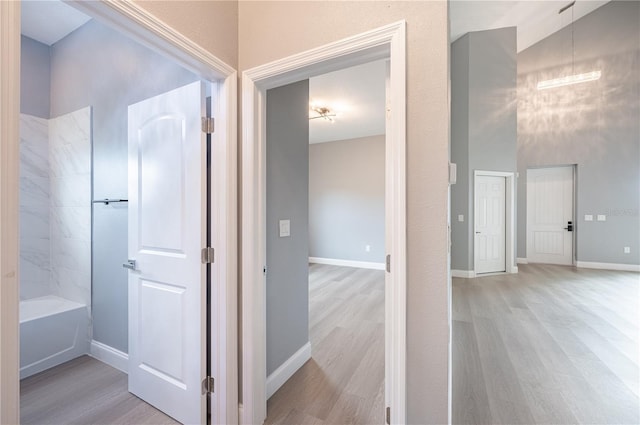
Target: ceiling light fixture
x=574, y=78
x=316, y=112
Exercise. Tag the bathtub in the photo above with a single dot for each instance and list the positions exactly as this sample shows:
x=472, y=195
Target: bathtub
x=53, y=330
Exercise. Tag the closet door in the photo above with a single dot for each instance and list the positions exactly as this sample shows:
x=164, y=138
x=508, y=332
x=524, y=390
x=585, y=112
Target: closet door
x=167, y=212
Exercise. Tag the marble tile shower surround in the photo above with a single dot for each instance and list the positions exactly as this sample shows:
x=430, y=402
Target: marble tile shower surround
x=35, y=254
x=70, y=205
x=55, y=206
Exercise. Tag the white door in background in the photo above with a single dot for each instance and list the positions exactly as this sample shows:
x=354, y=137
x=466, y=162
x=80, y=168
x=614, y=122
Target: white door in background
x=490, y=226
x=167, y=212
x=549, y=212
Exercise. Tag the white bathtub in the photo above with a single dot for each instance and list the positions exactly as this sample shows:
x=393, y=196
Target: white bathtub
x=53, y=330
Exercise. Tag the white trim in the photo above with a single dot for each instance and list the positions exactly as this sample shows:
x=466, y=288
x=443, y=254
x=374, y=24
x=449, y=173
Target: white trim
x=347, y=263
x=287, y=369
x=9, y=160
x=608, y=266
x=134, y=21
x=510, y=217
x=385, y=42
x=520, y=260
x=109, y=355
x=465, y=274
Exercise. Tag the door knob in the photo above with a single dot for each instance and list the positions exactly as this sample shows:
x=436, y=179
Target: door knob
x=130, y=264
x=569, y=227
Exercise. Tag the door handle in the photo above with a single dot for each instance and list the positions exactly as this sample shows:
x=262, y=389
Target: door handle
x=569, y=227
x=130, y=264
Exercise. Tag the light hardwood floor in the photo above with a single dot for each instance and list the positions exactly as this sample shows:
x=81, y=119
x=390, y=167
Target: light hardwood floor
x=83, y=391
x=550, y=345
x=343, y=383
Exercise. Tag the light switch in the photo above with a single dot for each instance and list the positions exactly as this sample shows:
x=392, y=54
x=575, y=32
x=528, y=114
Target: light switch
x=460, y=217
x=602, y=217
x=588, y=217
x=627, y=250
x=285, y=228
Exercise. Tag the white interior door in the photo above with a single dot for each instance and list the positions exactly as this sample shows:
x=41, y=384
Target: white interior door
x=490, y=228
x=549, y=214
x=167, y=212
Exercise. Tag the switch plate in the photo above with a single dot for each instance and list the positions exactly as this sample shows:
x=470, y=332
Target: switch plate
x=285, y=228
x=367, y=248
x=602, y=217
x=588, y=217
x=460, y=217
x=627, y=250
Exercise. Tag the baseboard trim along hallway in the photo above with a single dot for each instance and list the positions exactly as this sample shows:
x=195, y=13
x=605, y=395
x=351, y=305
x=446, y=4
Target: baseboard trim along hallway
x=347, y=263
x=287, y=369
x=608, y=266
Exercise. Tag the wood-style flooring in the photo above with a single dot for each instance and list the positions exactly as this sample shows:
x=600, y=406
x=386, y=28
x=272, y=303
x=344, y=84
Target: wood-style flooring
x=83, y=391
x=343, y=383
x=549, y=345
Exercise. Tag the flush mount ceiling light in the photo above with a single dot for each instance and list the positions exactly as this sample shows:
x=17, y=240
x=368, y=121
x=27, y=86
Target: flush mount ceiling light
x=316, y=112
x=574, y=78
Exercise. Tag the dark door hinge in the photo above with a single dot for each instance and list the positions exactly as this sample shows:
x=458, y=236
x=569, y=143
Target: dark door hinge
x=208, y=125
x=208, y=385
x=389, y=415
x=208, y=255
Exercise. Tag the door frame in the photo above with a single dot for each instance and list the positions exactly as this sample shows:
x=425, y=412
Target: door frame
x=509, y=217
x=387, y=42
x=574, y=169
x=143, y=27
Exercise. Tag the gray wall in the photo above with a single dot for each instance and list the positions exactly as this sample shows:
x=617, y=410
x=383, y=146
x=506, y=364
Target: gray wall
x=35, y=65
x=346, y=199
x=287, y=198
x=594, y=125
x=99, y=67
x=484, y=123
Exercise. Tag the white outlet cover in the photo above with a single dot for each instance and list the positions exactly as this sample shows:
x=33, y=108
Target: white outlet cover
x=602, y=217
x=627, y=250
x=461, y=217
x=588, y=217
x=285, y=228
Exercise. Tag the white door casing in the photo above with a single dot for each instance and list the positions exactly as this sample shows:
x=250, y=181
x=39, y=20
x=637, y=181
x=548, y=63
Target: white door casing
x=549, y=210
x=167, y=213
x=489, y=224
x=385, y=42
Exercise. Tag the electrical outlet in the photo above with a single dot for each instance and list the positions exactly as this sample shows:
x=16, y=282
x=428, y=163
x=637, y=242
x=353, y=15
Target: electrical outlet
x=460, y=217
x=588, y=217
x=602, y=217
x=367, y=248
x=627, y=250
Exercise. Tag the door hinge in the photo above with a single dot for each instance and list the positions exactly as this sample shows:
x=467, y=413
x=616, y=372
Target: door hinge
x=208, y=385
x=264, y=270
x=208, y=125
x=388, y=263
x=208, y=255
x=389, y=415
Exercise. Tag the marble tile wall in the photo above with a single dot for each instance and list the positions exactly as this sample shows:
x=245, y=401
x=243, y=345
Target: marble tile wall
x=70, y=205
x=34, y=198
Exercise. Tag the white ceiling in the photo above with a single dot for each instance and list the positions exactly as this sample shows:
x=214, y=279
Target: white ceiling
x=49, y=21
x=356, y=95
x=535, y=20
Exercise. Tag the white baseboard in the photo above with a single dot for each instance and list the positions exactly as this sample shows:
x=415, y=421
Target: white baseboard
x=111, y=356
x=467, y=274
x=347, y=263
x=287, y=369
x=522, y=261
x=608, y=266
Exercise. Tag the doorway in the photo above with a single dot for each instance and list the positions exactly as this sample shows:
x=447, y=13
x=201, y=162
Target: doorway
x=385, y=42
x=550, y=215
x=494, y=222
x=141, y=26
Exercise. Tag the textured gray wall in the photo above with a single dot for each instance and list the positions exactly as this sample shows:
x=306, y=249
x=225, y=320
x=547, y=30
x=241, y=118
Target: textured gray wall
x=97, y=66
x=487, y=99
x=35, y=64
x=594, y=125
x=346, y=199
x=287, y=199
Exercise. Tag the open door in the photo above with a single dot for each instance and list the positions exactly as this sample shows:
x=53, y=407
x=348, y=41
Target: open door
x=167, y=230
